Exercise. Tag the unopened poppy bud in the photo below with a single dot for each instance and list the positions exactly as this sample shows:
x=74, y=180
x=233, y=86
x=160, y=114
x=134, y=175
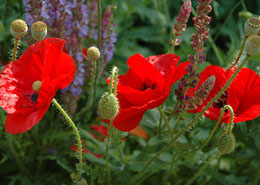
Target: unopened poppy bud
x=39, y=30
x=252, y=26
x=37, y=85
x=18, y=28
x=226, y=143
x=93, y=53
x=253, y=45
x=108, y=106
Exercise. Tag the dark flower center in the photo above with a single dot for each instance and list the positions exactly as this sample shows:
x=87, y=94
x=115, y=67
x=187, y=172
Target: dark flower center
x=148, y=85
x=222, y=101
x=34, y=97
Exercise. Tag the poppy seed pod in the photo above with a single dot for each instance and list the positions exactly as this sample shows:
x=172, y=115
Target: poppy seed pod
x=252, y=46
x=108, y=106
x=18, y=28
x=93, y=53
x=226, y=143
x=252, y=26
x=37, y=85
x=39, y=30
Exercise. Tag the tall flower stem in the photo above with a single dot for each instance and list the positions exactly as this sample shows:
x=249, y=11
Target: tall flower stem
x=166, y=121
x=190, y=124
x=16, y=42
x=107, y=152
x=240, y=53
x=99, y=24
x=258, y=171
x=91, y=90
x=113, y=80
x=201, y=169
x=76, y=131
x=199, y=148
x=17, y=159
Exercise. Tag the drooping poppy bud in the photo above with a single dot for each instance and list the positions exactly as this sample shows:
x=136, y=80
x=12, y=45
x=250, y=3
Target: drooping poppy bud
x=39, y=30
x=226, y=143
x=108, y=106
x=18, y=28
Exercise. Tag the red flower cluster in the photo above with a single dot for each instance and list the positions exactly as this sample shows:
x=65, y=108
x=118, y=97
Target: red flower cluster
x=242, y=94
x=44, y=61
x=146, y=85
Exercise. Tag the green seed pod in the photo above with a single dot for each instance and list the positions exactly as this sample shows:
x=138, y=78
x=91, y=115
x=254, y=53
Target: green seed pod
x=226, y=143
x=252, y=46
x=18, y=28
x=108, y=106
x=39, y=30
x=252, y=26
x=37, y=85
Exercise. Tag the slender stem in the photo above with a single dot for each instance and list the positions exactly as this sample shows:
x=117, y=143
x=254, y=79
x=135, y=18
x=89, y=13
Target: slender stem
x=226, y=21
x=91, y=90
x=190, y=124
x=75, y=129
x=107, y=153
x=166, y=121
x=16, y=42
x=201, y=169
x=99, y=24
x=115, y=71
x=20, y=164
x=240, y=53
x=258, y=171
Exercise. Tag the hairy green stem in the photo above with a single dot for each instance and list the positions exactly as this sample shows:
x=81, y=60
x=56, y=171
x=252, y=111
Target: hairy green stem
x=193, y=151
x=99, y=24
x=115, y=71
x=113, y=80
x=107, y=153
x=91, y=89
x=75, y=129
x=20, y=164
x=166, y=121
x=16, y=42
x=201, y=169
x=258, y=171
x=240, y=53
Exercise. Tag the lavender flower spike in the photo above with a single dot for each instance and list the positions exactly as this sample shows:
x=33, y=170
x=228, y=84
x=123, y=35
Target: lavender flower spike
x=181, y=21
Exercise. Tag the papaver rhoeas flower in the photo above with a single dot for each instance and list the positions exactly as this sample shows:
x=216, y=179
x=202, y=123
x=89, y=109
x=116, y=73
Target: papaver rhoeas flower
x=45, y=62
x=146, y=85
x=242, y=94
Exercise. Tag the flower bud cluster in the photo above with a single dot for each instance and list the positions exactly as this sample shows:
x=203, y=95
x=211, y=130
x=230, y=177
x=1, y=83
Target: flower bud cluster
x=202, y=93
x=182, y=19
x=200, y=23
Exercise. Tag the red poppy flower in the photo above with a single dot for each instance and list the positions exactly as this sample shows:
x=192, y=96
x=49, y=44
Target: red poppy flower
x=146, y=85
x=242, y=94
x=44, y=61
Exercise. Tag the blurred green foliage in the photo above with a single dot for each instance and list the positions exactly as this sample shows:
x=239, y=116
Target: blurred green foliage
x=43, y=155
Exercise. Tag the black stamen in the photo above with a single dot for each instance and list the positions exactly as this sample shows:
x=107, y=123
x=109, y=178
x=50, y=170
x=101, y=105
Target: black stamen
x=34, y=97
